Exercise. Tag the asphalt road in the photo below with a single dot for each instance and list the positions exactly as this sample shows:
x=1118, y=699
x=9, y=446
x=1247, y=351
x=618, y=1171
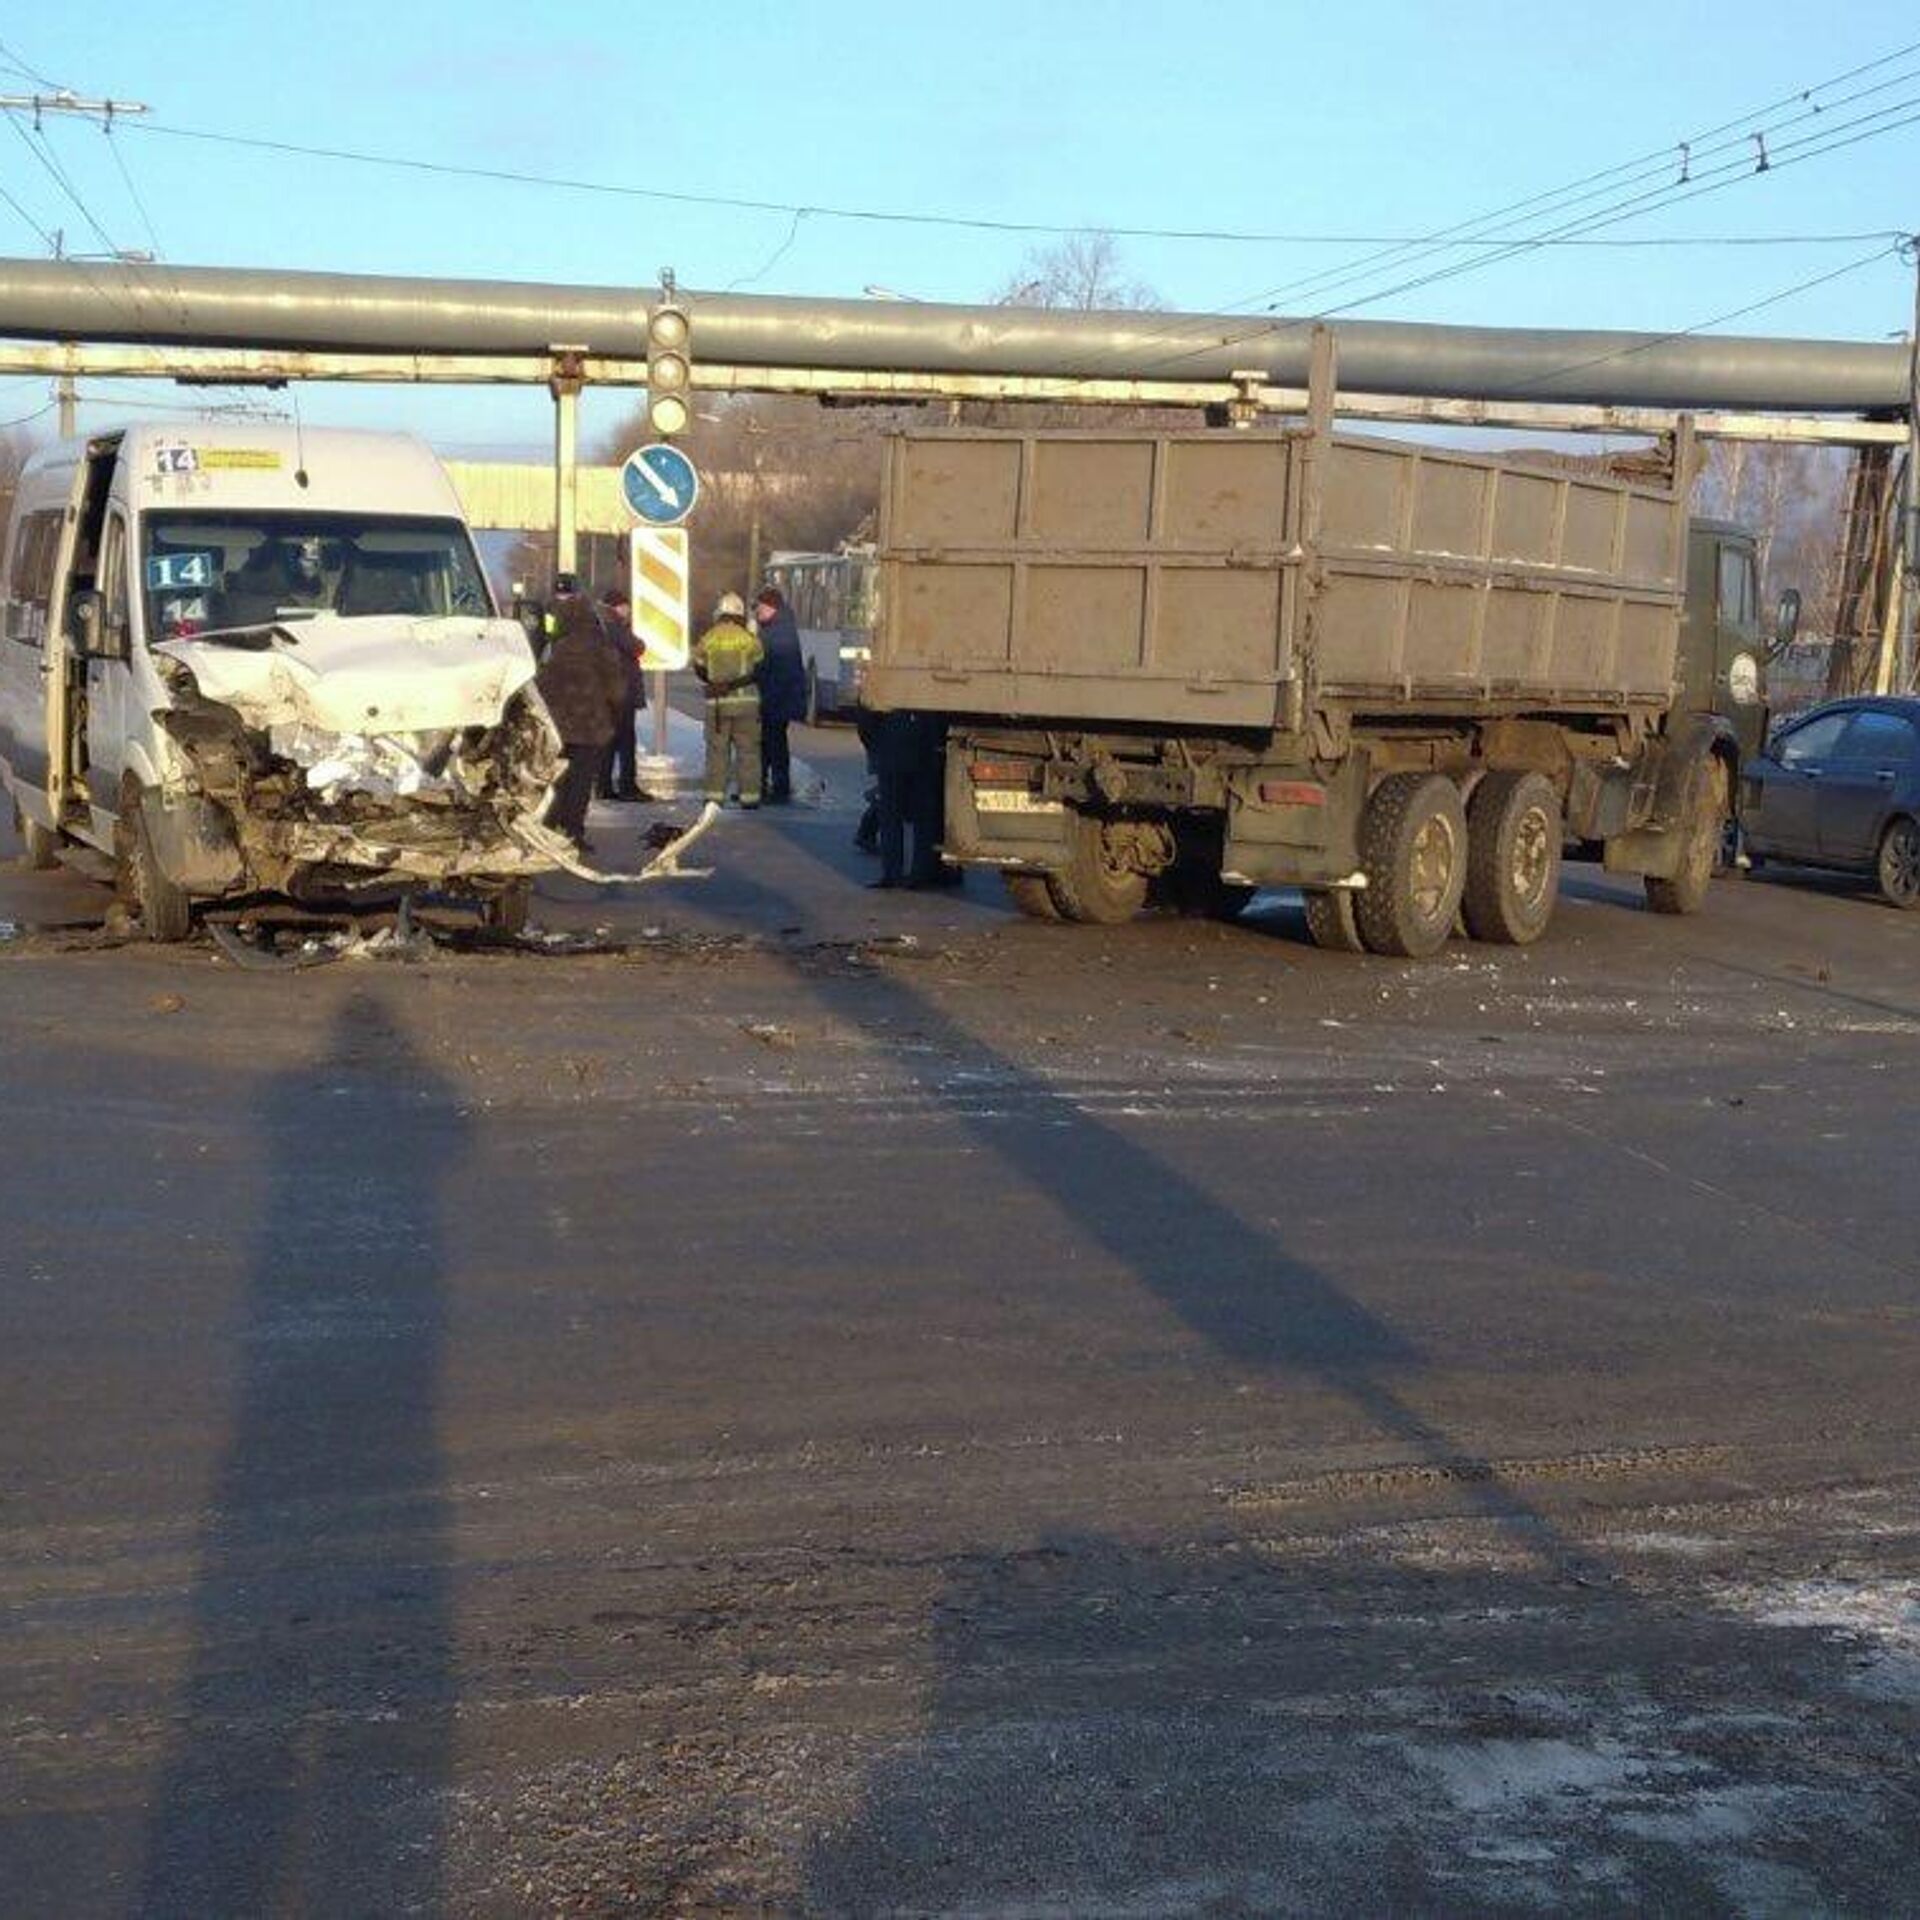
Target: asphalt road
x=859, y=1403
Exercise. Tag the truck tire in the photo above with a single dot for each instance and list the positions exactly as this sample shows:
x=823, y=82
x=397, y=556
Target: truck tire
x=1091, y=888
x=1413, y=850
x=1704, y=829
x=39, y=846
x=1031, y=895
x=165, y=911
x=1513, y=858
x=1331, y=921
x=1898, y=868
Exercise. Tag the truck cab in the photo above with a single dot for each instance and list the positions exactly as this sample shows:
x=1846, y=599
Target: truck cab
x=1722, y=666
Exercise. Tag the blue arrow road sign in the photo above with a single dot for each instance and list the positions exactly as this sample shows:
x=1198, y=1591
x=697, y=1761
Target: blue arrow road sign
x=660, y=484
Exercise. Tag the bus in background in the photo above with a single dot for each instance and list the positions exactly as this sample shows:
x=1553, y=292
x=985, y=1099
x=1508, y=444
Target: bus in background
x=832, y=597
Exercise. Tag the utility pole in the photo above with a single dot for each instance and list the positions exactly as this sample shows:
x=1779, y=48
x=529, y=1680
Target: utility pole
x=756, y=435
x=564, y=382
x=1909, y=577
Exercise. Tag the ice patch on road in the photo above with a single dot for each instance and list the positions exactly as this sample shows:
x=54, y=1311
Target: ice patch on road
x=1880, y=1617
x=1495, y=1776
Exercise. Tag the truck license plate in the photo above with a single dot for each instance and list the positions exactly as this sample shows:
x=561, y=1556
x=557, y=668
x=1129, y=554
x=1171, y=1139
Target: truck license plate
x=1011, y=800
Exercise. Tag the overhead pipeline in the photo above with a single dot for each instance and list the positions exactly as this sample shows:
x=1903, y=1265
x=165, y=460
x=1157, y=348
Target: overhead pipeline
x=251, y=308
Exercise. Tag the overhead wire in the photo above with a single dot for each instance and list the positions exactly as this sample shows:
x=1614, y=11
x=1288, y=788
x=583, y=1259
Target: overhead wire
x=100, y=284
x=27, y=72
x=46, y=235
x=1685, y=154
x=1550, y=203
x=1727, y=174
x=1664, y=157
x=133, y=192
x=1812, y=146
x=58, y=175
x=773, y=259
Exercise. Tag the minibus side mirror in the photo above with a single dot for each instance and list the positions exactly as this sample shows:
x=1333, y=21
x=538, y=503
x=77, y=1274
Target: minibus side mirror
x=98, y=641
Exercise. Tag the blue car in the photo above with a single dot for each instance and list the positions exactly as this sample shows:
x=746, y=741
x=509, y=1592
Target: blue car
x=1840, y=787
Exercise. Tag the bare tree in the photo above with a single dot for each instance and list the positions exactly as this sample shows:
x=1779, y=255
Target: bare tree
x=15, y=447
x=1793, y=500
x=777, y=473
x=1082, y=272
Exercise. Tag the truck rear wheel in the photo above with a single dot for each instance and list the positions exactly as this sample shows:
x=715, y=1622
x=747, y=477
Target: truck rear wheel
x=1513, y=858
x=1031, y=895
x=1703, y=829
x=1413, y=850
x=1095, y=886
x=1331, y=921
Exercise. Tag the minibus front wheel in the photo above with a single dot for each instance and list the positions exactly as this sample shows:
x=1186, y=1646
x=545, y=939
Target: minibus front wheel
x=164, y=909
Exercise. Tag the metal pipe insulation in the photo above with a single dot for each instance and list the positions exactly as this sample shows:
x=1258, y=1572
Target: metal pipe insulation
x=149, y=304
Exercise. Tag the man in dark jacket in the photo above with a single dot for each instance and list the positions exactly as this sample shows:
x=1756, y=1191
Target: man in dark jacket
x=617, y=777
x=908, y=753
x=783, y=690
x=585, y=690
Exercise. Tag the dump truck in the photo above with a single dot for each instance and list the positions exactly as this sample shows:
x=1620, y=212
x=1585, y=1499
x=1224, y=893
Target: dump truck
x=1400, y=677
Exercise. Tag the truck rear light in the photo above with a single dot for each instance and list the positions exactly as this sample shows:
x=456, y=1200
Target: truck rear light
x=1292, y=793
x=1002, y=773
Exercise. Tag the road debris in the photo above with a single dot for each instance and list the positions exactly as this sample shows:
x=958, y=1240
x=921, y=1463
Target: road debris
x=770, y=1034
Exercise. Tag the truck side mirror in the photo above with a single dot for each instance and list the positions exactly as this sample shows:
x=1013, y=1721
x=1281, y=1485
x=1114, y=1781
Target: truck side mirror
x=1786, y=620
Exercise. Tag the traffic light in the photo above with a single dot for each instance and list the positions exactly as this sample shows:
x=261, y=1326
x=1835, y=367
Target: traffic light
x=669, y=369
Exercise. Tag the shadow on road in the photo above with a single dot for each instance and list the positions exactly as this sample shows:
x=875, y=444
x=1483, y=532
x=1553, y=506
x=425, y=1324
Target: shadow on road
x=1170, y=1727
x=314, y=1730
x=1261, y=1309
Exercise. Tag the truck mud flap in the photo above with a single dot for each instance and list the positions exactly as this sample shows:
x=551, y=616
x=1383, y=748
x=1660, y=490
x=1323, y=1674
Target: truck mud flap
x=1657, y=845
x=1003, y=827
x=1286, y=827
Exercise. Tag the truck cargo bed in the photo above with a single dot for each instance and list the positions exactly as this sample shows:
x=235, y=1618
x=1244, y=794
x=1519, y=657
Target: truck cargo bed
x=1232, y=580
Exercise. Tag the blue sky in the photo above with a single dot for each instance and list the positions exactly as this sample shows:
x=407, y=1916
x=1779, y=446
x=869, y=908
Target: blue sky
x=1392, y=119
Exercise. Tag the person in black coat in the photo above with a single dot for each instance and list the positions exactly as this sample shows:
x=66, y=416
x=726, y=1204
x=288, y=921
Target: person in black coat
x=619, y=776
x=585, y=691
x=783, y=691
x=908, y=751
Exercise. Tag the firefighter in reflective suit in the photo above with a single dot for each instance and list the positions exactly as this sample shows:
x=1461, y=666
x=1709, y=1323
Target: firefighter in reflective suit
x=726, y=658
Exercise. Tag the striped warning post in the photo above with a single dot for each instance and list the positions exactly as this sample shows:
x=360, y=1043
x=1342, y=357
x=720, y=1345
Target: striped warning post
x=661, y=603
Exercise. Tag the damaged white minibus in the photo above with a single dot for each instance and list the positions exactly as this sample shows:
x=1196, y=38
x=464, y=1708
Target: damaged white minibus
x=241, y=659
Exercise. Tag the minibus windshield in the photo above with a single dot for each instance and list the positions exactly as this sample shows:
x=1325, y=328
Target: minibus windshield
x=207, y=572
